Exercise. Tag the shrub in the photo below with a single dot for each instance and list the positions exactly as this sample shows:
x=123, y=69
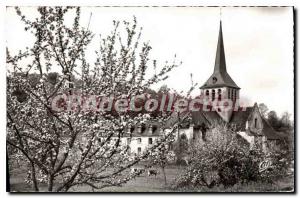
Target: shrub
x=223, y=161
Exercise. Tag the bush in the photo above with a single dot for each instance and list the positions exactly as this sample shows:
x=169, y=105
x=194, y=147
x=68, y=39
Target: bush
x=230, y=169
x=226, y=163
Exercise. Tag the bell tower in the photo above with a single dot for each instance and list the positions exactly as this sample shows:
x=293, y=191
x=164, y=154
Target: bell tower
x=220, y=87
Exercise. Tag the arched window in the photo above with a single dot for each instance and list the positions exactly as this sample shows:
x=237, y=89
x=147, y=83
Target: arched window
x=183, y=136
x=219, y=94
x=207, y=93
x=213, y=94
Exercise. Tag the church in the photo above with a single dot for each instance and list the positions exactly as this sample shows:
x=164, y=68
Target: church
x=249, y=124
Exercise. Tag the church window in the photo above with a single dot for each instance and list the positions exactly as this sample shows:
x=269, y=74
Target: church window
x=235, y=94
x=213, y=95
x=219, y=94
x=214, y=80
x=139, y=150
x=255, y=122
x=207, y=93
x=183, y=136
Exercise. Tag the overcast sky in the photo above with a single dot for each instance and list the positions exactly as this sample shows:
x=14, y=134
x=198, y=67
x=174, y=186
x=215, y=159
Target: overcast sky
x=258, y=45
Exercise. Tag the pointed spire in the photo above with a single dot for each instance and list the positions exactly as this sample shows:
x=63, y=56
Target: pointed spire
x=220, y=77
x=220, y=63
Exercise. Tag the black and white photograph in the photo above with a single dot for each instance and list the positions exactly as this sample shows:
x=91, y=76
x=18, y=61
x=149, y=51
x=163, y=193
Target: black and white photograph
x=150, y=99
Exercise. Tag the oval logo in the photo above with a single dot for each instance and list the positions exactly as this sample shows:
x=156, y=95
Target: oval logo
x=264, y=165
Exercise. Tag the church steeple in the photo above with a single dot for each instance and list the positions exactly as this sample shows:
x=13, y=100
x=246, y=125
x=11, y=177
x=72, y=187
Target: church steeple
x=220, y=87
x=220, y=62
x=220, y=77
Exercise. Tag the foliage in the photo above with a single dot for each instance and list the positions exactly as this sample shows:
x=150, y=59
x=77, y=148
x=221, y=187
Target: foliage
x=223, y=160
x=162, y=156
x=181, y=149
x=281, y=163
x=282, y=123
x=263, y=109
x=65, y=149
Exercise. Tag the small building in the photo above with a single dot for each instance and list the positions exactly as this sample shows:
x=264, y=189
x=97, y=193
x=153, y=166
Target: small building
x=143, y=136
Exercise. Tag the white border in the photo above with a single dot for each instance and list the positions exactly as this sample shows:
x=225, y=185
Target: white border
x=5, y=3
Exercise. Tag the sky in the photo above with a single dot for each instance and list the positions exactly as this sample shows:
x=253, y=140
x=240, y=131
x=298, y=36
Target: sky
x=258, y=45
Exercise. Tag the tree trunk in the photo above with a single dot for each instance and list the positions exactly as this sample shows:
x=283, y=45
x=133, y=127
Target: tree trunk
x=7, y=173
x=33, y=177
x=50, y=183
x=164, y=174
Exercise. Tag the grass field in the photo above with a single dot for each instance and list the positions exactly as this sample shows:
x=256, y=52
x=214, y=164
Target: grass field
x=140, y=184
x=143, y=183
x=156, y=184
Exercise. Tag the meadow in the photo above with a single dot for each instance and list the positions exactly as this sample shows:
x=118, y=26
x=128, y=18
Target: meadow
x=144, y=183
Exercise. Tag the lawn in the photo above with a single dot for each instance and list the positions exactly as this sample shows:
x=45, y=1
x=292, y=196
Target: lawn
x=143, y=183
x=156, y=184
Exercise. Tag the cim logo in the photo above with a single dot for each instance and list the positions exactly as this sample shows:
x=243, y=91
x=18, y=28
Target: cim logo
x=264, y=165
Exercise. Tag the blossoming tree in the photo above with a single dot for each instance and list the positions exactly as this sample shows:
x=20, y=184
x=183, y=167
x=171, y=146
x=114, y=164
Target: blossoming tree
x=62, y=149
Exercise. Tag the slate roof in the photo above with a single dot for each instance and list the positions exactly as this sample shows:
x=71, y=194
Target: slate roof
x=141, y=130
x=238, y=118
x=197, y=118
x=175, y=117
x=206, y=117
x=223, y=79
